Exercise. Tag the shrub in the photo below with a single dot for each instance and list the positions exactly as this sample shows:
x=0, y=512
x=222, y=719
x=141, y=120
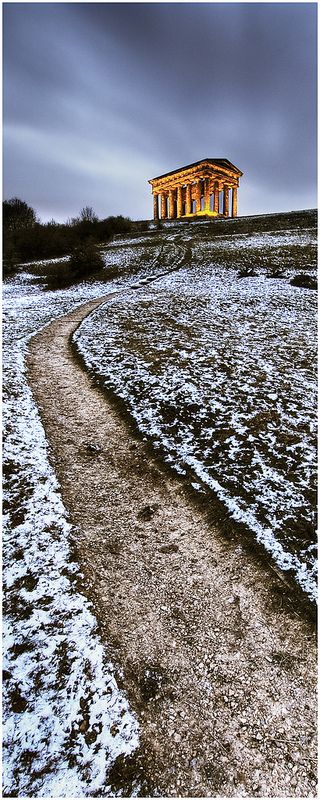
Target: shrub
x=304, y=281
x=10, y=259
x=246, y=272
x=84, y=261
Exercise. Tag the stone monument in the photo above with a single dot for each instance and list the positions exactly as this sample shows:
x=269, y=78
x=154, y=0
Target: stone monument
x=199, y=189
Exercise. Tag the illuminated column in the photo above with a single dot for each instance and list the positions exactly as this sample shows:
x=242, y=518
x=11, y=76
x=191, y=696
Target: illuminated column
x=171, y=204
x=226, y=201
x=188, y=199
x=179, y=201
x=216, y=198
x=163, y=206
x=198, y=196
x=207, y=195
x=234, y=202
x=155, y=207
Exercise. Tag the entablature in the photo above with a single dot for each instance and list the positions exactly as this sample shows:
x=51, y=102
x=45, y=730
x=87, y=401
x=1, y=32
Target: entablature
x=215, y=173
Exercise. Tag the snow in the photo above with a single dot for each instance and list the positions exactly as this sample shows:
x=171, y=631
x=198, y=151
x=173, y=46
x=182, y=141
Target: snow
x=218, y=372
x=65, y=720
x=44, y=261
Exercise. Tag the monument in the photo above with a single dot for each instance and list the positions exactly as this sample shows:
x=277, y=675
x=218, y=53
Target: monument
x=199, y=189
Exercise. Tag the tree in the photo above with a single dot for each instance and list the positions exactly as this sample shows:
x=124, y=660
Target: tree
x=17, y=215
x=87, y=214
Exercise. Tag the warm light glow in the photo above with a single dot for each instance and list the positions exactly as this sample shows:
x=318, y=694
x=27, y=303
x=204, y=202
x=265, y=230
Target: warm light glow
x=196, y=184
x=201, y=214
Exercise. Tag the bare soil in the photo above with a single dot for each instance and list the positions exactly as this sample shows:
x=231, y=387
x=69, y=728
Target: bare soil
x=220, y=671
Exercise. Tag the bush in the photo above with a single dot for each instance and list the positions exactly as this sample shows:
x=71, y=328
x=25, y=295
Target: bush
x=246, y=272
x=84, y=261
x=304, y=281
x=10, y=259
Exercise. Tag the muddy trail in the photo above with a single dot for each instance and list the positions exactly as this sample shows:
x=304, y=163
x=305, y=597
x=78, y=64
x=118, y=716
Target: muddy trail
x=219, y=671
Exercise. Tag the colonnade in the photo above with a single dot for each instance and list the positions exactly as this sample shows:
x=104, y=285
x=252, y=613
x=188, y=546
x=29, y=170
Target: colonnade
x=200, y=197
x=198, y=189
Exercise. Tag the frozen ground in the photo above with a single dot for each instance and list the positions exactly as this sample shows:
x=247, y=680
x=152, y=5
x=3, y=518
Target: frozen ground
x=228, y=400
x=220, y=373
x=65, y=720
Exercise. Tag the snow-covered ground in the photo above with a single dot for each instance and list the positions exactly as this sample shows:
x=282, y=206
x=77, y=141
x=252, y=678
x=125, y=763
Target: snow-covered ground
x=65, y=720
x=220, y=373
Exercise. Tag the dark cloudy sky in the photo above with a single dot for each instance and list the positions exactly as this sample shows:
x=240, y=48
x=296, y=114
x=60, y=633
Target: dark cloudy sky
x=100, y=97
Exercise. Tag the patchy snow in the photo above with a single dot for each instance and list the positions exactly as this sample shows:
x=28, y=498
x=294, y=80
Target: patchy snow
x=219, y=373
x=132, y=240
x=44, y=261
x=268, y=240
x=65, y=720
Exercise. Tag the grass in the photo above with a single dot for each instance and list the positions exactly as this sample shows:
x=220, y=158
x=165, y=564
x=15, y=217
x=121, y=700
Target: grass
x=219, y=372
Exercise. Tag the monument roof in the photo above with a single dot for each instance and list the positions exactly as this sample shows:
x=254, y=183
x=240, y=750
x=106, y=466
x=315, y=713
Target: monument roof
x=219, y=162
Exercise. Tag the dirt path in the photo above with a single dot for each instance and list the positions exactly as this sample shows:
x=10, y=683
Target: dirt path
x=221, y=676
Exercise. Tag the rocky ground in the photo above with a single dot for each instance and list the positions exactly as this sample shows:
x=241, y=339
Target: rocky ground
x=219, y=667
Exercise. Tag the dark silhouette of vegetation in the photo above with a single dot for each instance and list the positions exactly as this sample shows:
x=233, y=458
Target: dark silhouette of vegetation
x=84, y=261
x=17, y=215
x=26, y=239
x=246, y=272
x=304, y=281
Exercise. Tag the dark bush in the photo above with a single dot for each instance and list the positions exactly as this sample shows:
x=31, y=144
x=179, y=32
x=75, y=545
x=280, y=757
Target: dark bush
x=10, y=259
x=85, y=260
x=304, y=281
x=275, y=272
x=246, y=272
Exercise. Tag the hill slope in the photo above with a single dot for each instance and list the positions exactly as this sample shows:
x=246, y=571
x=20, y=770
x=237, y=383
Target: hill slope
x=215, y=360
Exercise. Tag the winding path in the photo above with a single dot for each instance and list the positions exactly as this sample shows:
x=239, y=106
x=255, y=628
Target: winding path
x=220, y=674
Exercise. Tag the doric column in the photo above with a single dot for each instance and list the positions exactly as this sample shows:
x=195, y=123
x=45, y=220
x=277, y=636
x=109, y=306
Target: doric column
x=226, y=201
x=179, y=201
x=155, y=207
x=216, y=198
x=171, y=204
x=207, y=195
x=198, y=196
x=234, y=202
x=188, y=199
x=163, y=206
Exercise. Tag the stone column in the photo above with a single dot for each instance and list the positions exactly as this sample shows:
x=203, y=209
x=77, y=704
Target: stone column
x=163, y=206
x=198, y=196
x=234, y=202
x=216, y=199
x=155, y=207
x=188, y=199
x=207, y=195
x=179, y=201
x=226, y=201
x=171, y=204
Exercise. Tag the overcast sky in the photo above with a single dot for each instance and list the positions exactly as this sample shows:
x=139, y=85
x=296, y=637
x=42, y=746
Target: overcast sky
x=98, y=98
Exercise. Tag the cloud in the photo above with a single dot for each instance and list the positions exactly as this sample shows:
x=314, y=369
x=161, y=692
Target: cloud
x=109, y=95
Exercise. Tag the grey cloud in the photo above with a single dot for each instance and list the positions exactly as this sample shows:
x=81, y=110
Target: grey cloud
x=113, y=94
